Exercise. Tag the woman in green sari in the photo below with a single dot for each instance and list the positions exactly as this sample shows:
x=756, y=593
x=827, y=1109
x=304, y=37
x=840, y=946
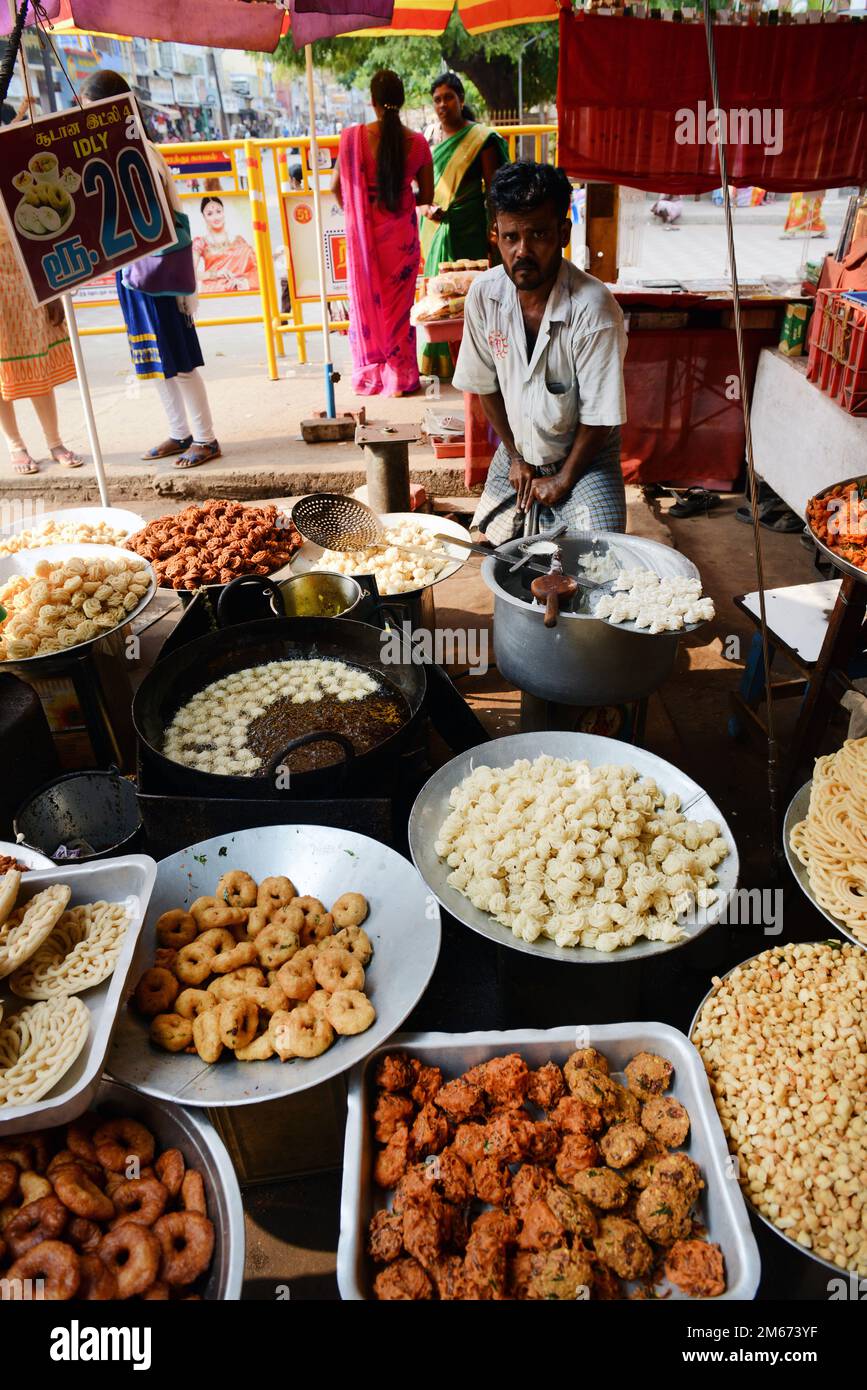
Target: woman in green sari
x=455, y=225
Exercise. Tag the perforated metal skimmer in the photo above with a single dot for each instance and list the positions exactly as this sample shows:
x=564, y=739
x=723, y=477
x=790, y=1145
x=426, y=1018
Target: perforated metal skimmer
x=343, y=523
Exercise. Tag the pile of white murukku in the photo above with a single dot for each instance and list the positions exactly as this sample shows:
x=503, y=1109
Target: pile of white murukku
x=51, y=954
x=831, y=842
x=81, y=952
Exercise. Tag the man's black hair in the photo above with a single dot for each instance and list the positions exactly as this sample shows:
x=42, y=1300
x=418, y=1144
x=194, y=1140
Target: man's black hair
x=524, y=186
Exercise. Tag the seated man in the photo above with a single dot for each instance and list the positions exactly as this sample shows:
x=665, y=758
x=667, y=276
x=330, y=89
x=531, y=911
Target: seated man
x=543, y=347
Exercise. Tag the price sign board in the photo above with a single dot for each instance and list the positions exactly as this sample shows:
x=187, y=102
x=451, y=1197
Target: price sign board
x=304, y=263
x=80, y=196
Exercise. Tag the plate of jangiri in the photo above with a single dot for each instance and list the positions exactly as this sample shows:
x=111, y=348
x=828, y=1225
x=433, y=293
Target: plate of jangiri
x=565, y=1164
x=132, y=1199
x=572, y=846
x=67, y=940
x=271, y=960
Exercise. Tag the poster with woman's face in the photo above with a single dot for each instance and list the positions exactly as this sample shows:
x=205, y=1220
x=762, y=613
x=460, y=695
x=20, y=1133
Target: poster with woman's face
x=223, y=253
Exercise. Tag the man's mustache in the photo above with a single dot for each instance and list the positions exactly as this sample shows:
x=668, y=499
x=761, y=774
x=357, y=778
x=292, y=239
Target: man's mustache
x=525, y=265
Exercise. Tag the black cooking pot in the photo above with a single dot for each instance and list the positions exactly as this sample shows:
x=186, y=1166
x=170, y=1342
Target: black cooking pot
x=178, y=677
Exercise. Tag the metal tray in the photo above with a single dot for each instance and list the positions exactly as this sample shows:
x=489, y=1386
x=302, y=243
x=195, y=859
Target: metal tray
x=797, y=811
x=309, y=554
x=26, y=561
x=129, y=879
x=203, y=1149
x=844, y=566
x=722, y=1205
x=783, y=1235
x=432, y=806
x=404, y=926
x=116, y=517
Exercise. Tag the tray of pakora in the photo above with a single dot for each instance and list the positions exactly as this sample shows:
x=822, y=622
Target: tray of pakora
x=573, y=1163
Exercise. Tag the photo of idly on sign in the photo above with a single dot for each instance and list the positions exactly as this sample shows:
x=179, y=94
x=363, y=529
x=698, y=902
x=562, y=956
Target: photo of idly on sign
x=46, y=205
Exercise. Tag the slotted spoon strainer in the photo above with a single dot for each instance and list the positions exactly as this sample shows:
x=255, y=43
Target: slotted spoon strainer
x=343, y=523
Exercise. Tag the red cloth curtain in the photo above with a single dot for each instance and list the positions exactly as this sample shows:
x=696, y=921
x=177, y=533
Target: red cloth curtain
x=212, y=23
x=630, y=92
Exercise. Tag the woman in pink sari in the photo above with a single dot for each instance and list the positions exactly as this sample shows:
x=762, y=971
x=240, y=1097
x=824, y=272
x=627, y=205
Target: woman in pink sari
x=377, y=165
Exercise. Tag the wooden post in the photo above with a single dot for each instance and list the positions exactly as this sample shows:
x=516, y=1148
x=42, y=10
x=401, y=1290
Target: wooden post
x=603, y=213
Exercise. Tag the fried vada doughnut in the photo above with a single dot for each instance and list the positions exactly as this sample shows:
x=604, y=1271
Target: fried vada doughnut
x=259, y=917
x=278, y=1034
x=316, y=924
x=33, y=1186
x=196, y=961
x=157, y=1291
x=354, y=940
x=193, y=1001
x=193, y=1192
x=206, y=1035
x=296, y=979
x=349, y=1012
x=270, y=999
x=116, y=1141
x=36, y=1222
x=8, y=1179
x=165, y=957
x=237, y=889
x=186, y=1240
x=84, y=1235
x=213, y=914
x=319, y=1000
x=132, y=1253
x=275, y=892
x=171, y=1032
x=309, y=1034
x=141, y=1200
x=238, y=1022
x=53, y=1262
x=350, y=910
x=176, y=928
x=170, y=1168
x=242, y=957
x=41, y=1151
x=279, y=941
x=241, y=981
x=336, y=969
x=98, y=1284
x=156, y=992
x=259, y=1050
x=81, y=1196
x=64, y=1158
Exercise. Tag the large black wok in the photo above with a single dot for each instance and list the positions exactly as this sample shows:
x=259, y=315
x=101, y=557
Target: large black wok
x=178, y=677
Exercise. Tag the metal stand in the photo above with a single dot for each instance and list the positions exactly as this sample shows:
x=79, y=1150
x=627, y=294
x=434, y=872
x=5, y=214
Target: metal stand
x=386, y=456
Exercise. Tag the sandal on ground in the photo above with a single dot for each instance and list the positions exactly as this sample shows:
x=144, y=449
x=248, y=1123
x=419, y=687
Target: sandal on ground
x=197, y=454
x=773, y=516
x=167, y=449
x=23, y=463
x=66, y=458
x=695, y=499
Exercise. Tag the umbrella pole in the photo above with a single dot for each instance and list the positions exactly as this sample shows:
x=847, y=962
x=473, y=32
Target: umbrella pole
x=320, y=246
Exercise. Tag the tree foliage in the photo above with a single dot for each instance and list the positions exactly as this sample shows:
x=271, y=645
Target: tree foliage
x=488, y=63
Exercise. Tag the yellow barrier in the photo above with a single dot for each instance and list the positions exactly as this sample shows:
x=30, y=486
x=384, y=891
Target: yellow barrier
x=277, y=322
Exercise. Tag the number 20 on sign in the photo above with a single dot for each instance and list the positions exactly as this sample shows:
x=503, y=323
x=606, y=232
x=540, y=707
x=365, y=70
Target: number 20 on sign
x=80, y=195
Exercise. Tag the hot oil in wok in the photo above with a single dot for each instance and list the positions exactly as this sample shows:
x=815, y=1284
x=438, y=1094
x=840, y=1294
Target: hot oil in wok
x=364, y=722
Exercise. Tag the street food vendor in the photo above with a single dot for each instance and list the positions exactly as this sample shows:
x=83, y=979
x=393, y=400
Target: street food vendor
x=543, y=347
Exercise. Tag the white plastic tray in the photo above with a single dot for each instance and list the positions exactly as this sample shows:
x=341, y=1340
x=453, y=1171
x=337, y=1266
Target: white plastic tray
x=128, y=880
x=721, y=1204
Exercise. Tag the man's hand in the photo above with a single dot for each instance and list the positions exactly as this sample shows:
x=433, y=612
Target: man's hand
x=549, y=491
x=521, y=477
x=56, y=314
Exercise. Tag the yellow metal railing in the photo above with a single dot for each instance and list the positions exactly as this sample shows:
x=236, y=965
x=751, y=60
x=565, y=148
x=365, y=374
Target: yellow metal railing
x=277, y=322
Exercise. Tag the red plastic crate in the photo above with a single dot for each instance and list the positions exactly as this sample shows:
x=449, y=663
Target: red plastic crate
x=837, y=360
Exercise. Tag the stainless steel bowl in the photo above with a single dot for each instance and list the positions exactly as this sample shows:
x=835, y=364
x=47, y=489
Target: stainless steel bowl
x=319, y=594
x=203, y=1149
x=797, y=811
x=783, y=1235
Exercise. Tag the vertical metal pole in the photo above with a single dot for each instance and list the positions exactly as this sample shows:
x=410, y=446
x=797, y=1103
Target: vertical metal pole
x=320, y=245
x=74, y=340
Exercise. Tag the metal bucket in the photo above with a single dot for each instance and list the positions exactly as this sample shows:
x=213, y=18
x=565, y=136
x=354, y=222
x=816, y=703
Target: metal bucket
x=581, y=661
x=99, y=808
